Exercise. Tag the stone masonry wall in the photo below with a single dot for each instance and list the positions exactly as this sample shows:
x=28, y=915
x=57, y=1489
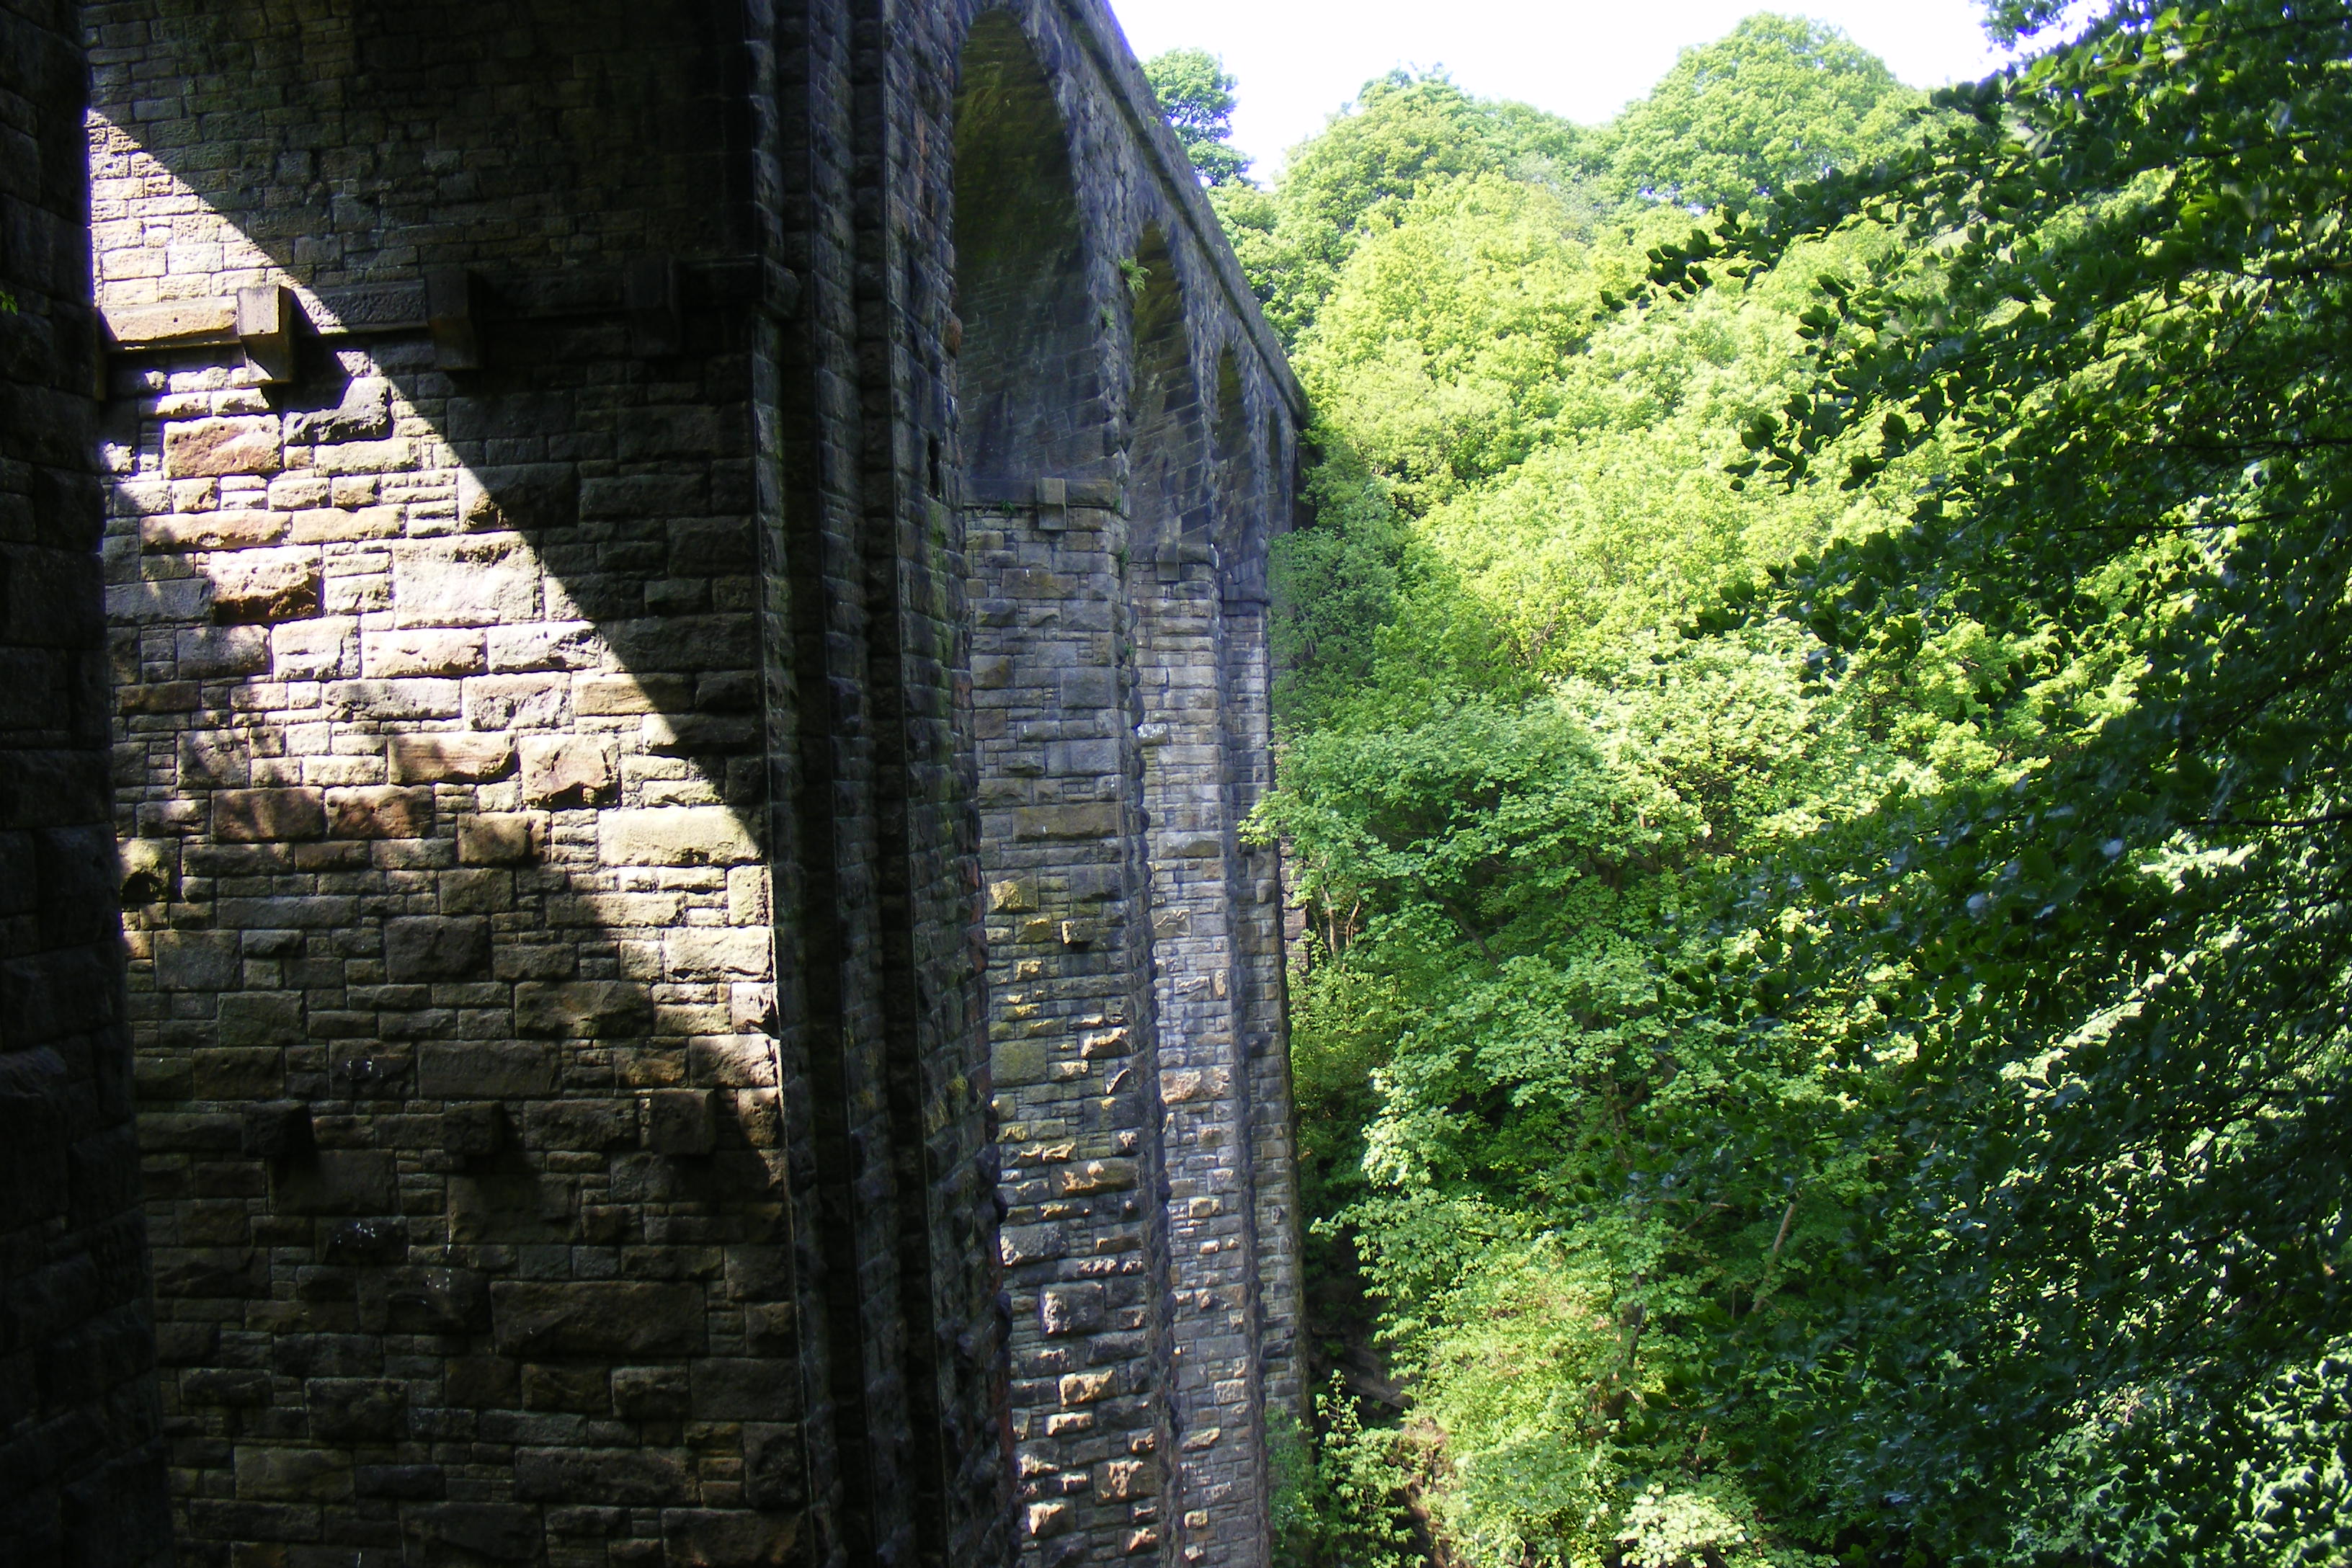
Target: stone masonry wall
x=82, y=1472
x=1134, y=950
x=559, y=1020
x=687, y=657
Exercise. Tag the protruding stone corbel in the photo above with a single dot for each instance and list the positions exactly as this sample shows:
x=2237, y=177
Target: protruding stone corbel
x=1173, y=556
x=650, y=292
x=264, y=330
x=1053, y=505
x=452, y=295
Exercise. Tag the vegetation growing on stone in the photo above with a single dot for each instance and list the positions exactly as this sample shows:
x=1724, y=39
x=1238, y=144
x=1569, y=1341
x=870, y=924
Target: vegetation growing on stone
x=1814, y=729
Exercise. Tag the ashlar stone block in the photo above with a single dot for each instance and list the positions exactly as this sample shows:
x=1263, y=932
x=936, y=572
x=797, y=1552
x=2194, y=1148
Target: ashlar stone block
x=206, y=448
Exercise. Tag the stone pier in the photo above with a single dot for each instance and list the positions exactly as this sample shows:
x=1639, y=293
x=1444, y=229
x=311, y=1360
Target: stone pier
x=682, y=624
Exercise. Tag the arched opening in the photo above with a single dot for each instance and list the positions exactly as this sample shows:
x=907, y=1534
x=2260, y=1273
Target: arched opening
x=1167, y=490
x=1030, y=395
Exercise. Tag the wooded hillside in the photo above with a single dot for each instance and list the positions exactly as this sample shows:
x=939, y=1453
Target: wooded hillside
x=1814, y=730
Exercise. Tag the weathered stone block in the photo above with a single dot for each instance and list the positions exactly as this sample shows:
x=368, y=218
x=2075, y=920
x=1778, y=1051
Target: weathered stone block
x=427, y=651
x=450, y=759
x=679, y=1121
x=265, y=586
x=211, y=1273
x=435, y=947
x=456, y=1534
x=218, y=653
x=379, y=811
x=1076, y=1308
x=342, y=525
x=407, y=697
x=524, y=495
x=501, y=838
x=324, y=649
x=1074, y=819
x=546, y=644
x=260, y=1018
x=515, y=701
x=1032, y=1243
x=774, y=1466
x=712, y=549
x=386, y=457
x=292, y=1474
x=676, y=836
x=1080, y=1177
x=580, y=1124
x=633, y=1477
x=485, y=1070
x=406, y=1483
x=476, y=581
x=244, y=1072
x=363, y=414
x=473, y=1129
x=568, y=770
x=651, y=1392
x=1019, y=1062
x=1185, y=1084
x=224, y=1385
x=596, y=1317
x=1086, y=1387
x=336, y=1181
x=476, y=892
x=259, y=815
x=356, y=1410
x=728, y=1538
x=717, y=953
x=582, y=1009
x=624, y=694
x=212, y=449
x=746, y=1388
x=1126, y=1480
x=196, y=960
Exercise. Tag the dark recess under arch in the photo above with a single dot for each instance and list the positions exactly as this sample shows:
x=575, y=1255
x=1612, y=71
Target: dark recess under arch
x=1030, y=398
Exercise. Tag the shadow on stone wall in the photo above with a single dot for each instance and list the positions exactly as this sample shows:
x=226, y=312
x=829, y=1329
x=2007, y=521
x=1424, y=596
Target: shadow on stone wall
x=443, y=767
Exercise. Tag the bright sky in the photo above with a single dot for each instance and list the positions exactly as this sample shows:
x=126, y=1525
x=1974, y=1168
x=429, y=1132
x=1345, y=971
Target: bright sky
x=1297, y=60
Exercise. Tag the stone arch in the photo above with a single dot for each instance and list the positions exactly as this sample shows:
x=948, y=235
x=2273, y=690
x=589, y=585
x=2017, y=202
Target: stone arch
x=1029, y=398
x=1168, y=492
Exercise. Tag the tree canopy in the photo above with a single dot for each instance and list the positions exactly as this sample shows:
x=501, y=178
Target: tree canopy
x=1779, y=101
x=1814, y=735
x=1196, y=94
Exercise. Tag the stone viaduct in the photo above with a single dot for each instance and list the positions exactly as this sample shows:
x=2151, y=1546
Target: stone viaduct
x=632, y=642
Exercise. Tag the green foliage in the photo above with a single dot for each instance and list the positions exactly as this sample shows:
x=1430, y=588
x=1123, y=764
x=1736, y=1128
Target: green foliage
x=1340, y=1498
x=2118, y=961
x=1403, y=136
x=1815, y=751
x=1779, y=101
x=1196, y=94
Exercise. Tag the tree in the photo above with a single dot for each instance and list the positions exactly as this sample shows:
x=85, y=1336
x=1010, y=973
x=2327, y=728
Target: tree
x=1779, y=101
x=1404, y=136
x=2096, y=1002
x=1820, y=789
x=1196, y=94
